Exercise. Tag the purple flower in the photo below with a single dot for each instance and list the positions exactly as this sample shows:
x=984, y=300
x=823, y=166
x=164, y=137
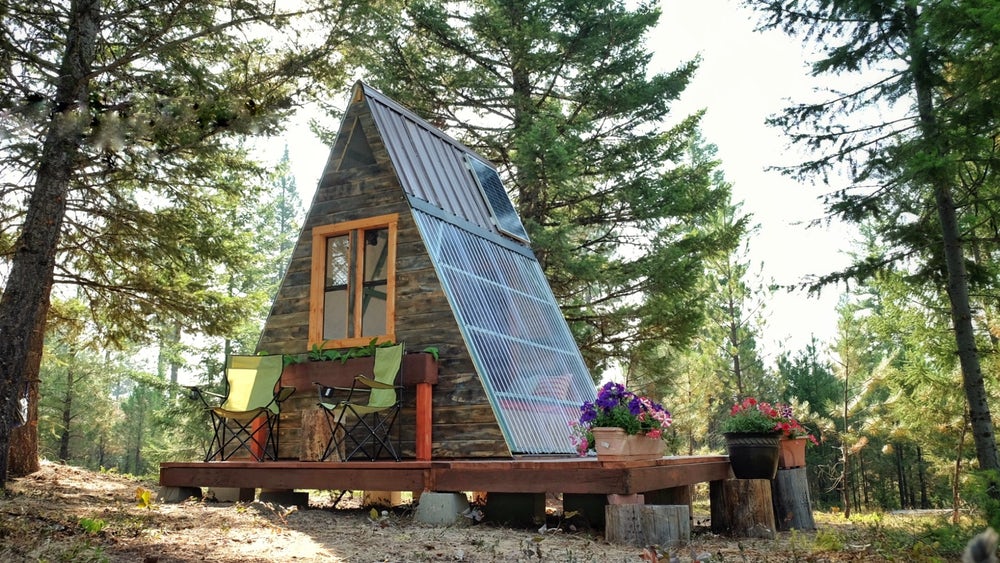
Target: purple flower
x=587, y=412
x=635, y=406
x=617, y=407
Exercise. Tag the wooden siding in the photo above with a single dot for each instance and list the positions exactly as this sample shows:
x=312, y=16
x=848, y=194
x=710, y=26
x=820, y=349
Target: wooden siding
x=463, y=423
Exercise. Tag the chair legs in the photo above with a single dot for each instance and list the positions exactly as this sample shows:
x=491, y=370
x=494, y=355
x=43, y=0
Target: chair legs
x=367, y=437
x=258, y=436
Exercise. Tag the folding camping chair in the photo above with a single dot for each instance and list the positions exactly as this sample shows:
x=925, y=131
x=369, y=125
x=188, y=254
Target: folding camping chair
x=247, y=416
x=371, y=422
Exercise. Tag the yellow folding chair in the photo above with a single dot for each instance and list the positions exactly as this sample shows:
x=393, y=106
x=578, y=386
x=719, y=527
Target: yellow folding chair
x=247, y=417
x=370, y=421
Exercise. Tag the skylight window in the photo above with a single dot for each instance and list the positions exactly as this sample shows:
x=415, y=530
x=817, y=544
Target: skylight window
x=504, y=215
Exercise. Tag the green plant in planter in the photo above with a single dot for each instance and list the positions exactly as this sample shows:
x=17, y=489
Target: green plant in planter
x=365, y=351
x=319, y=353
x=751, y=415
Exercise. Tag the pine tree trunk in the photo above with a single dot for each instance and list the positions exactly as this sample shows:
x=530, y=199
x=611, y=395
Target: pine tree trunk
x=844, y=493
x=26, y=295
x=955, y=488
x=924, y=503
x=67, y=418
x=901, y=476
x=23, y=449
x=864, y=480
x=940, y=178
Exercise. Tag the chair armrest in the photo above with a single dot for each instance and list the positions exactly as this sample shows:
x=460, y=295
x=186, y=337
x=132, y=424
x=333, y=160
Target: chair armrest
x=328, y=391
x=197, y=393
x=284, y=393
x=371, y=383
x=324, y=386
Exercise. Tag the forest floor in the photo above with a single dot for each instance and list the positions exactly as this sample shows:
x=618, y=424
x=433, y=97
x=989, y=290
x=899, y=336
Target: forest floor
x=63, y=513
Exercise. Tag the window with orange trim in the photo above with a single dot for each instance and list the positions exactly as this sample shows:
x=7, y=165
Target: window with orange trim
x=353, y=284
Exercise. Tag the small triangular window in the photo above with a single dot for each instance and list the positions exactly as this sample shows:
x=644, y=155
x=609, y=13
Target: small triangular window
x=357, y=152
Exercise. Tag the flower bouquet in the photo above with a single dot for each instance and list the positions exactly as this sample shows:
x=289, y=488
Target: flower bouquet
x=752, y=431
x=626, y=414
x=794, y=439
x=791, y=428
x=752, y=416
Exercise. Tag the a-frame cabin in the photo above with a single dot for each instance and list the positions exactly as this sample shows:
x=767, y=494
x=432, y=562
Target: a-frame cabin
x=411, y=238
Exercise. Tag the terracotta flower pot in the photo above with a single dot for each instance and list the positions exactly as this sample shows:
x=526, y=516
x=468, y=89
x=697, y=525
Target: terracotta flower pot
x=792, y=452
x=753, y=455
x=613, y=444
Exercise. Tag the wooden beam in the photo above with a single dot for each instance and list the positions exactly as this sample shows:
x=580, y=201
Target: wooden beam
x=564, y=475
x=424, y=422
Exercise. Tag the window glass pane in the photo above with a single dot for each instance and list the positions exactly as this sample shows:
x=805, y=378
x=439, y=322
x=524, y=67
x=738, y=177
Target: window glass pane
x=335, y=314
x=373, y=294
x=337, y=263
x=373, y=310
x=376, y=254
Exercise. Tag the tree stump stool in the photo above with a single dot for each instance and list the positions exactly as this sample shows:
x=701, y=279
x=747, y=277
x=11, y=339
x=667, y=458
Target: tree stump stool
x=790, y=496
x=316, y=435
x=642, y=525
x=742, y=508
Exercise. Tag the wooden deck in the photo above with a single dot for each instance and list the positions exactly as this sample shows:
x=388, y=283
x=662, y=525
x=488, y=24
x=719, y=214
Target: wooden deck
x=524, y=475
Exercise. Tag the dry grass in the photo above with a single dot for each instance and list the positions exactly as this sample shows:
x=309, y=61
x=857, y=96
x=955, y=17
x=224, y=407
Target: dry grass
x=68, y=514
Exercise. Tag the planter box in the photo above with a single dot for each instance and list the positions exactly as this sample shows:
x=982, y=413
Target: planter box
x=419, y=367
x=612, y=444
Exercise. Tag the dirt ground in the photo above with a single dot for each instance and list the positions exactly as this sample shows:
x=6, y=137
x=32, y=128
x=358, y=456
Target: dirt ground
x=64, y=513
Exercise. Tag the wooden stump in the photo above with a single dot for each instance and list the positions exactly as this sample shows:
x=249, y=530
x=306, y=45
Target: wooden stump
x=792, y=506
x=315, y=437
x=642, y=525
x=742, y=508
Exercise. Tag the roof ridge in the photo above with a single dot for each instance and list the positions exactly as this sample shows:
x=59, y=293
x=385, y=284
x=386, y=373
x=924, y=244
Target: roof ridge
x=372, y=93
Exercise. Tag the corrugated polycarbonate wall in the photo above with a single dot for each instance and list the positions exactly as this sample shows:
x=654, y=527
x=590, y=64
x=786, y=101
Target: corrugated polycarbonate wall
x=528, y=361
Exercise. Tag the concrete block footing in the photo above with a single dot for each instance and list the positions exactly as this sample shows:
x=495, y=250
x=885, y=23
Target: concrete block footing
x=178, y=494
x=230, y=494
x=285, y=498
x=442, y=508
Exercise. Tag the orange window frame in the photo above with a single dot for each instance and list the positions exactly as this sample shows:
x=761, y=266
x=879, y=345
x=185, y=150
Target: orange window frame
x=317, y=287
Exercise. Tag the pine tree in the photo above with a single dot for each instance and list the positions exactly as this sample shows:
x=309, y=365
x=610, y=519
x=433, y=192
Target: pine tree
x=119, y=118
x=932, y=68
x=561, y=97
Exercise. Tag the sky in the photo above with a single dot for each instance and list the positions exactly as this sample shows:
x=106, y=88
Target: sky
x=744, y=77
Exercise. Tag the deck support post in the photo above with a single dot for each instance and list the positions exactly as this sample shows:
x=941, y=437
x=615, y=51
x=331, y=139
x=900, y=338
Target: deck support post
x=423, y=423
x=515, y=509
